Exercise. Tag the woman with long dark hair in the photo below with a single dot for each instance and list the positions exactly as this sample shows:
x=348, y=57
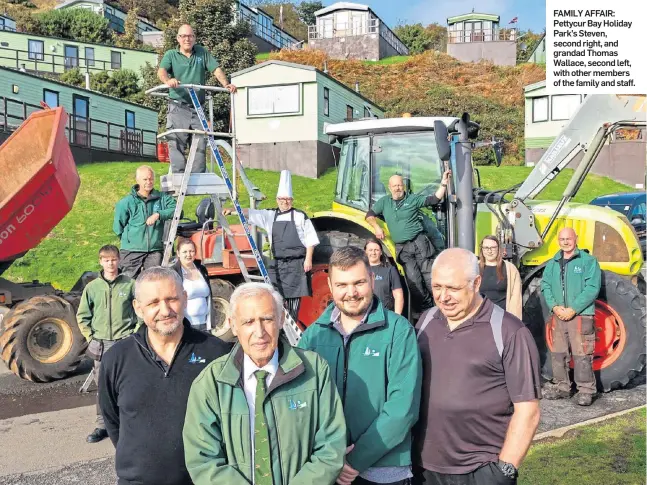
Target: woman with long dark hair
x=500, y=280
x=387, y=285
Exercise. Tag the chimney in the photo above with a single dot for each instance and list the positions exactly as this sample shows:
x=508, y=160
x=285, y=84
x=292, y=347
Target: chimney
x=357, y=86
x=325, y=67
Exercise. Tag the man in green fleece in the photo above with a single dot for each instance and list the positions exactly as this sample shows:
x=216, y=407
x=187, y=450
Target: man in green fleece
x=106, y=315
x=570, y=284
x=374, y=358
x=267, y=413
x=139, y=222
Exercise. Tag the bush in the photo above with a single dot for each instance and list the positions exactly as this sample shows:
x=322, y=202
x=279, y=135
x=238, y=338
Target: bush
x=75, y=24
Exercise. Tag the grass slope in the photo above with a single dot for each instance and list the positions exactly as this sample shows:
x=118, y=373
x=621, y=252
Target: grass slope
x=72, y=246
x=610, y=453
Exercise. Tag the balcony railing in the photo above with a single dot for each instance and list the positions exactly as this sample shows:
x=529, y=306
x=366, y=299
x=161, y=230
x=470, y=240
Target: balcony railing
x=483, y=35
x=268, y=32
x=85, y=132
x=41, y=62
x=332, y=30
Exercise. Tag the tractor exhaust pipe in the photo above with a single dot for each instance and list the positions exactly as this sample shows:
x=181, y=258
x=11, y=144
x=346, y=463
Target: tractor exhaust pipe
x=463, y=183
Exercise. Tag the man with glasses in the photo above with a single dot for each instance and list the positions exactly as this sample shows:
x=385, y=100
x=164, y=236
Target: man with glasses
x=480, y=382
x=570, y=285
x=402, y=213
x=292, y=242
x=188, y=64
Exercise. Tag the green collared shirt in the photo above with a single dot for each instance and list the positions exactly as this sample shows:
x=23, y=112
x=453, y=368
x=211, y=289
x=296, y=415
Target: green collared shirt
x=188, y=70
x=402, y=216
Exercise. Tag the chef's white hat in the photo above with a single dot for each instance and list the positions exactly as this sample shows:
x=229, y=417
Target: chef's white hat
x=285, y=184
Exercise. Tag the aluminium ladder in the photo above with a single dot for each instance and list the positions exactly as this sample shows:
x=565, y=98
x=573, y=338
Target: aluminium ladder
x=207, y=186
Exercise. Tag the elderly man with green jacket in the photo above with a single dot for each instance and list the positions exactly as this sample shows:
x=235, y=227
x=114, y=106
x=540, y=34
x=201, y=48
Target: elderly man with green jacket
x=570, y=285
x=375, y=361
x=266, y=413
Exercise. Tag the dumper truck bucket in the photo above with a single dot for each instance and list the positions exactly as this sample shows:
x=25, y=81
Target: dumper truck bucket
x=38, y=182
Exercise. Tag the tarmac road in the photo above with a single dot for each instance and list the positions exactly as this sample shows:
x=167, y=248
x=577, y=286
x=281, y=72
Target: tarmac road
x=43, y=429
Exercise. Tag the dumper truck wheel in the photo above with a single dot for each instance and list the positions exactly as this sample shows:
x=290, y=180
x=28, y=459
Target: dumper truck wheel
x=221, y=291
x=41, y=341
x=620, y=331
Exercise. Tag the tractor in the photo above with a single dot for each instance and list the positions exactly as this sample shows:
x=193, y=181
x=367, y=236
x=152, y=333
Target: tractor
x=418, y=149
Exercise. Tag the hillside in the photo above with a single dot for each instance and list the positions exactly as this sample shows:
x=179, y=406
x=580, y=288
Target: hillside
x=435, y=84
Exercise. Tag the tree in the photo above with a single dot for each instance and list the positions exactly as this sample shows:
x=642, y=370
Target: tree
x=306, y=11
x=130, y=38
x=122, y=83
x=526, y=44
x=437, y=37
x=73, y=76
x=76, y=23
x=415, y=37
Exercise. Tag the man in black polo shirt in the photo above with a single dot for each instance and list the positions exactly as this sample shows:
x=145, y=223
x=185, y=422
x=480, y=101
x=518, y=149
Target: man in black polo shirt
x=188, y=64
x=401, y=212
x=145, y=381
x=481, y=382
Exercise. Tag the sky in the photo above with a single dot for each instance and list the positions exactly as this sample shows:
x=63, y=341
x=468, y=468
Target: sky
x=531, y=13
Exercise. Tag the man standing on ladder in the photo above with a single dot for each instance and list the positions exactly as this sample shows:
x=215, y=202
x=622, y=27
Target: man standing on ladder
x=292, y=242
x=188, y=64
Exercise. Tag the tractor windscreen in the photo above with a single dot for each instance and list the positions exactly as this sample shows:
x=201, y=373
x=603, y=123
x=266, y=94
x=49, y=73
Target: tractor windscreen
x=363, y=178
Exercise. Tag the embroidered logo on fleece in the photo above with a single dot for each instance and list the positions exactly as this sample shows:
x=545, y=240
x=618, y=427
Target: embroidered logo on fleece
x=194, y=359
x=577, y=269
x=294, y=405
x=371, y=353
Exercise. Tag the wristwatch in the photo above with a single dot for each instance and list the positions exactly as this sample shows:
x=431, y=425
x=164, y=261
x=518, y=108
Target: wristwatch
x=508, y=469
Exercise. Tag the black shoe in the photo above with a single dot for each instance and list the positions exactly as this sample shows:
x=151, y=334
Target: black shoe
x=97, y=435
x=584, y=399
x=555, y=393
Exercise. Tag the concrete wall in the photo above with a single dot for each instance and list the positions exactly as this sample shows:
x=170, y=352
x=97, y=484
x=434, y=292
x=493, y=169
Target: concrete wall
x=623, y=161
x=14, y=44
x=262, y=45
x=501, y=53
x=364, y=47
x=306, y=158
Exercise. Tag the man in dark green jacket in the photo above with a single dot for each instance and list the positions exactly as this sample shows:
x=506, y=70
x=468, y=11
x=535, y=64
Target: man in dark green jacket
x=570, y=285
x=375, y=362
x=105, y=316
x=267, y=413
x=139, y=222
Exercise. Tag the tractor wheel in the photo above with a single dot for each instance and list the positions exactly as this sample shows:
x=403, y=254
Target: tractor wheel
x=620, y=331
x=313, y=306
x=41, y=341
x=221, y=291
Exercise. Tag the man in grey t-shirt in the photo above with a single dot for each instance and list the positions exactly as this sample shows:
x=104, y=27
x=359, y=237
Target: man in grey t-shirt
x=481, y=386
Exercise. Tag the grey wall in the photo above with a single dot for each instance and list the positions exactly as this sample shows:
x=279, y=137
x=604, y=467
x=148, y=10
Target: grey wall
x=501, y=53
x=262, y=45
x=364, y=47
x=622, y=161
x=305, y=158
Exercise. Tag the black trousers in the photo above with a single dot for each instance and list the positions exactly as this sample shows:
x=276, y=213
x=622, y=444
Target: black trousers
x=417, y=256
x=361, y=481
x=133, y=262
x=488, y=474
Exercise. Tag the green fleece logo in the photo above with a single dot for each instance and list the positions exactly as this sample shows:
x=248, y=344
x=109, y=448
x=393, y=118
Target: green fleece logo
x=122, y=294
x=294, y=405
x=577, y=269
x=371, y=353
x=156, y=207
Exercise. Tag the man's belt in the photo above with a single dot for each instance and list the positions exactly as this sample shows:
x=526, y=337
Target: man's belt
x=291, y=258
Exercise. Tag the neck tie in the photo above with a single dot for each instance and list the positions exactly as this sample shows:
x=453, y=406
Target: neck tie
x=262, y=465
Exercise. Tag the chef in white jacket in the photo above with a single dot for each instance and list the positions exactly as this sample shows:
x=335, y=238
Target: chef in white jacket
x=292, y=241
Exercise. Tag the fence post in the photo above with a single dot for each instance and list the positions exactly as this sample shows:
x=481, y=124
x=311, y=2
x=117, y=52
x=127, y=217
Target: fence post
x=89, y=130
x=108, y=136
x=4, y=114
x=141, y=143
x=17, y=59
x=24, y=111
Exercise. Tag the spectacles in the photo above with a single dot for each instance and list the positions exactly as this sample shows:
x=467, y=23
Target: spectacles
x=490, y=248
x=284, y=199
x=186, y=36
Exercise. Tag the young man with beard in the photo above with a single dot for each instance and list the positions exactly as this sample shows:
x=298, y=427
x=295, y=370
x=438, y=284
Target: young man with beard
x=145, y=381
x=375, y=362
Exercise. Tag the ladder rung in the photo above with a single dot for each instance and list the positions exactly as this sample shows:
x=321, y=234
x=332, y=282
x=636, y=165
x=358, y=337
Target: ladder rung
x=248, y=256
x=256, y=277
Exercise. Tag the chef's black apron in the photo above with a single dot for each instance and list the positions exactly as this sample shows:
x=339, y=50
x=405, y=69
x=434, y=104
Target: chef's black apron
x=286, y=269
